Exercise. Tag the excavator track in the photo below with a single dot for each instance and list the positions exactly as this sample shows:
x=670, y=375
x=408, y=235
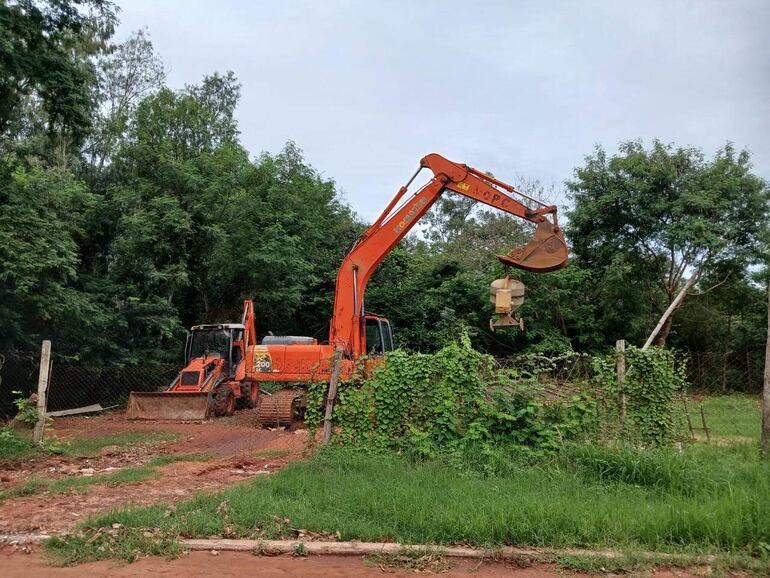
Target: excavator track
x=282, y=408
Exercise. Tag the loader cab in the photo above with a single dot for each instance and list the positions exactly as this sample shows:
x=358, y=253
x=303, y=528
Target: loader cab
x=220, y=340
x=378, y=336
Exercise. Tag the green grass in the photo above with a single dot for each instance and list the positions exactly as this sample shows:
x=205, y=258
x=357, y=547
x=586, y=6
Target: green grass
x=15, y=447
x=376, y=498
x=709, y=499
x=37, y=485
x=731, y=415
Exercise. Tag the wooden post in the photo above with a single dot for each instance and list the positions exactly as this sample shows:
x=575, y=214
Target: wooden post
x=765, y=440
x=620, y=370
x=332, y=394
x=42, y=390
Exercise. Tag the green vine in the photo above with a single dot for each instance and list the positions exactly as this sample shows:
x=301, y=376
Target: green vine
x=455, y=401
x=644, y=404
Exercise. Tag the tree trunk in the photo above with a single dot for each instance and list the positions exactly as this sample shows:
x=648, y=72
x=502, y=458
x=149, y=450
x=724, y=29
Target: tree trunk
x=660, y=338
x=765, y=442
x=663, y=328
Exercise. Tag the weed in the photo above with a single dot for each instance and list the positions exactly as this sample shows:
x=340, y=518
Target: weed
x=411, y=560
x=300, y=550
x=83, y=483
x=87, y=446
x=270, y=453
x=15, y=447
x=171, y=458
x=593, y=564
x=26, y=408
x=124, y=544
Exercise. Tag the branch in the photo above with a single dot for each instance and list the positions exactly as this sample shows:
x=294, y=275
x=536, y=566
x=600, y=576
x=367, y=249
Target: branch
x=722, y=282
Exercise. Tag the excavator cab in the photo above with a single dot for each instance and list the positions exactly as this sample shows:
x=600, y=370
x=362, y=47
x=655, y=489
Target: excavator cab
x=378, y=334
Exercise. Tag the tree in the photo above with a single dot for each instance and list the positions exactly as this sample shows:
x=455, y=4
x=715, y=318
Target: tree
x=656, y=217
x=41, y=222
x=44, y=56
x=127, y=73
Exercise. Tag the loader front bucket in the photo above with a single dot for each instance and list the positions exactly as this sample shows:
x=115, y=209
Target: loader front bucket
x=547, y=251
x=181, y=406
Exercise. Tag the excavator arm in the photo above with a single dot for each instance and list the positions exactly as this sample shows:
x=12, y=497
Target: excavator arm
x=547, y=251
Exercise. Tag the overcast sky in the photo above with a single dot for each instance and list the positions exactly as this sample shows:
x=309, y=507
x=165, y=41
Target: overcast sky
x=367, y=88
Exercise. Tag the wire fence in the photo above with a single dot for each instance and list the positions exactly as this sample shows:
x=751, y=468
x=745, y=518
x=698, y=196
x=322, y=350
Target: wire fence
x=72, y=386
x=726, y=371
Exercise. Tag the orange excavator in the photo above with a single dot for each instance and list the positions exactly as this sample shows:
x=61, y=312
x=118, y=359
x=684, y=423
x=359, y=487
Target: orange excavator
x=226, y=365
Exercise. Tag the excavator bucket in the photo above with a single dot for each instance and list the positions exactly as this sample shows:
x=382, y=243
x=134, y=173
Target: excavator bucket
x=178, y=406
x=547, y=251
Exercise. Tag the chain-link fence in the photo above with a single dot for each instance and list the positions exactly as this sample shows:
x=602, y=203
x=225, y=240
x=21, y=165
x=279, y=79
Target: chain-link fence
x=73, y=386
x=722, y=372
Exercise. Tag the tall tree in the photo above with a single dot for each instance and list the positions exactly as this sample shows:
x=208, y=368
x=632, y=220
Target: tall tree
x=663, y=215
x=126, y=73
x=45, y=50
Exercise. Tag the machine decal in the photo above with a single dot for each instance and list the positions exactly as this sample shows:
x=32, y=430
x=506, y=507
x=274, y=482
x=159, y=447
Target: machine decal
x=409, y=217
x=262, y=362
x=463, y=186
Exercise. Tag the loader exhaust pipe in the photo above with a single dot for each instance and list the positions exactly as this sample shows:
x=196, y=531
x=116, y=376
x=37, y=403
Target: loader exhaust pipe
x=547, y=251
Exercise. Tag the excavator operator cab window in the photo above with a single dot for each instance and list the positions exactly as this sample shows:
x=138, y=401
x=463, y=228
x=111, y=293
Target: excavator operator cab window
x=379, y=338
x=387, y=335
x=373, y=337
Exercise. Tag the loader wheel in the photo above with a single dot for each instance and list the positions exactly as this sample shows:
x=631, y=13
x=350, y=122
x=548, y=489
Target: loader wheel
x=252, y=395
x=249, y=396
x=224, y=402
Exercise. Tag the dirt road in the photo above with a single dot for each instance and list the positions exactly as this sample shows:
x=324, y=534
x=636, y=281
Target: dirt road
x=238, y=564
x=236, y=451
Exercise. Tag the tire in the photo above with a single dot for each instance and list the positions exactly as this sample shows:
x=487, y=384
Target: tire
x=224, y=402
x=251, y=397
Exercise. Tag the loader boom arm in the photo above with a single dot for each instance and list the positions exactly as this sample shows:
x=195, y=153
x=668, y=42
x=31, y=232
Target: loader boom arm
x=547, y=251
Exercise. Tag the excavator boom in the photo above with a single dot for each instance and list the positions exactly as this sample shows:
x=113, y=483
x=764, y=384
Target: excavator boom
x=547, y=251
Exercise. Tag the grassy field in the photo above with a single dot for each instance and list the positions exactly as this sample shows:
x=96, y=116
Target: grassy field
x=733, y=418
x=711, y=498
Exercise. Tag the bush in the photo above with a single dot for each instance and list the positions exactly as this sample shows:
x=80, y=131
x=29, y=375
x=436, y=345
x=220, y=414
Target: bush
x=453, y=402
